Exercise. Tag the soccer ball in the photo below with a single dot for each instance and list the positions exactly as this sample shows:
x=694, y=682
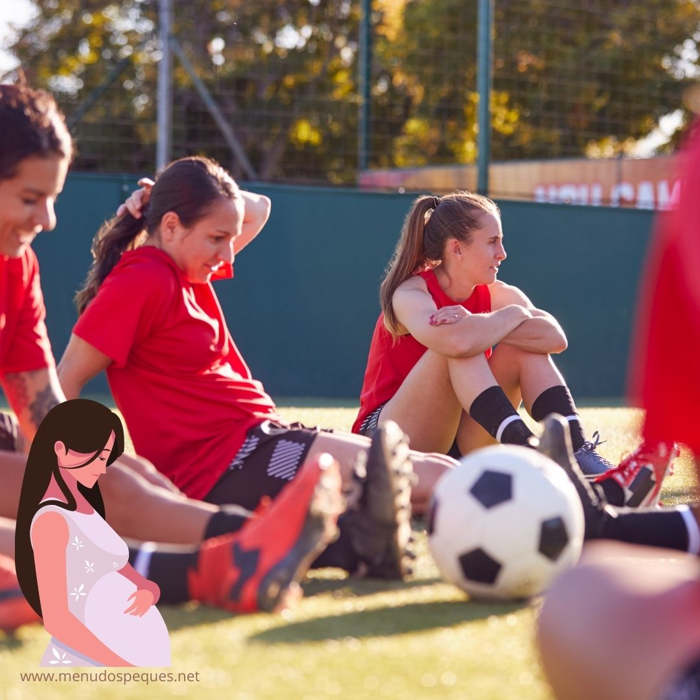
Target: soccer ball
x=504, y=522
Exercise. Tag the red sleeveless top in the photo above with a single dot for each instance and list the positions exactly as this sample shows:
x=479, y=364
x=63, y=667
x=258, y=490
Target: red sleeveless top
x=391, y=360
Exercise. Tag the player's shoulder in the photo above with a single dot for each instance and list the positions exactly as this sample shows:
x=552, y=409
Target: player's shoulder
x=147, y=269
x=415, y=283
x=503, y=293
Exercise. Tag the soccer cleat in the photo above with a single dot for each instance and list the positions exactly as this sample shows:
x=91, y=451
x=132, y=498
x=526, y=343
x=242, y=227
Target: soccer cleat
x=259, y=567
x=641, y=474
x=15, y=611
x=555, y=443
x=379, y=523
x=592, y=464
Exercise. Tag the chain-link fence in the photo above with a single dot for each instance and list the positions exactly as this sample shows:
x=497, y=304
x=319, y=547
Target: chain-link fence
x=570, y=81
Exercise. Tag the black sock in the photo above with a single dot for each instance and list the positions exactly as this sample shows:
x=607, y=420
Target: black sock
x=558, y=399
x=339, y=553
x=493, y=412
x=229, y=518
x=650, y=526
x=614, y=494
x=166, y=568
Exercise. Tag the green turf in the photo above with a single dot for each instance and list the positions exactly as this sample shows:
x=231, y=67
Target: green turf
x=349, y=639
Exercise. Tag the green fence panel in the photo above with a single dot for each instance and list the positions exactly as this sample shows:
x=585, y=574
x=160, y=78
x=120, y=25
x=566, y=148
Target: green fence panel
x=304, y=299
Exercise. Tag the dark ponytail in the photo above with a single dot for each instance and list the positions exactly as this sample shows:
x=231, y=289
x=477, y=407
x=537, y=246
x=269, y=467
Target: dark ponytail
x=428, y=225
x=188, y=187
x=119, y=234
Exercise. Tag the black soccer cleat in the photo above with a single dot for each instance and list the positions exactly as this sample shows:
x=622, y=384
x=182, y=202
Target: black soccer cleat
x=379, y=524
x=555, y=443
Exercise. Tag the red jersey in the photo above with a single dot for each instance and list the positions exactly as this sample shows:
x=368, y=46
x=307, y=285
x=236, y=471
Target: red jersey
x=24, y=342
x=186, y=394
x=665, y=375
x=391, y=360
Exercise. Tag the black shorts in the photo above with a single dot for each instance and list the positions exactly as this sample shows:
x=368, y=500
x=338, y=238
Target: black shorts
x=269, y=457
x=686, y=685
x=8, y=432
x=369, y=426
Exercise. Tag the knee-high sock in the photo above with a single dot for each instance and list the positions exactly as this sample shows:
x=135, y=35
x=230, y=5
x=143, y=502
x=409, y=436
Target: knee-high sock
x=493, y=412
x=672, y=528
x=166, y=566
x=558, y=399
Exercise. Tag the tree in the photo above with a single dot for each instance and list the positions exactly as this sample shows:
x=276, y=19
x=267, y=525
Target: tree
x=568, y=79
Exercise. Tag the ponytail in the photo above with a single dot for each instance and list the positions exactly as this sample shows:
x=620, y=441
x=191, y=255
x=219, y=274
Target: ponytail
x=188, y=187
x=119, y=234
x=428, y=225
x=408, y=257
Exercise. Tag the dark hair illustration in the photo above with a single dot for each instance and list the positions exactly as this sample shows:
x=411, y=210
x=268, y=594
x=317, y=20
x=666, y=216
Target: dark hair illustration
x=81, y=425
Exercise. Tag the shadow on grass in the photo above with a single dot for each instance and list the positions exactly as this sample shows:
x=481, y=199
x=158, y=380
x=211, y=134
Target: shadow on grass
x=193, y=615
x=10, y=642
x=360, y=586
x=383, y=622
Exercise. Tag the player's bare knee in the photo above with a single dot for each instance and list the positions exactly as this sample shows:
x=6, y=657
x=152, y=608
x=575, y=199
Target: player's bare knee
x=124, y=495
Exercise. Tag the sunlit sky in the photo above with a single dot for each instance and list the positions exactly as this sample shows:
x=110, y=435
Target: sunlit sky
x=12, y=12
x=17, y=12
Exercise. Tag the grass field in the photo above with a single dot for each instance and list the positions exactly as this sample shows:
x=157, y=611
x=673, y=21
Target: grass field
x=348, y=639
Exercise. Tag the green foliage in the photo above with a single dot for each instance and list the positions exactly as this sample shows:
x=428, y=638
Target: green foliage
x=568, y=79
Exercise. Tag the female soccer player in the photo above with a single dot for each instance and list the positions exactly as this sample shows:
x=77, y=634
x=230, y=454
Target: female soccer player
x=150, y=317
x=432, y=364
x=35, y=152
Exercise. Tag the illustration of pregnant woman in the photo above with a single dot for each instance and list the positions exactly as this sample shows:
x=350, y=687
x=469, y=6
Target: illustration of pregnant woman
x=72, y=567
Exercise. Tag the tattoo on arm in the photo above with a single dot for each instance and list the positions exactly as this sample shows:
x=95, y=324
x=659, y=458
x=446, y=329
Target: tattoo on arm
x=32, y=395
x=44, y=400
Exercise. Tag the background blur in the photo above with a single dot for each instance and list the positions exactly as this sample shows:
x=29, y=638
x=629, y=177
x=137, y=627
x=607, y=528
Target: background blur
x=318, y=96
x=601, y=79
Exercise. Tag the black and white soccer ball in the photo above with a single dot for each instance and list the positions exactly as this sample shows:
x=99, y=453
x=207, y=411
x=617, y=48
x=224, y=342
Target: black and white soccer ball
x=504, y=522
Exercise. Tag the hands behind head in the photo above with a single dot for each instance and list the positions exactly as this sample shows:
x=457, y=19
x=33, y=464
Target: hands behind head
x=138, y=199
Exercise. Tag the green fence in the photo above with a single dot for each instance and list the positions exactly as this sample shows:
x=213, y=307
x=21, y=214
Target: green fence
x=304, y=299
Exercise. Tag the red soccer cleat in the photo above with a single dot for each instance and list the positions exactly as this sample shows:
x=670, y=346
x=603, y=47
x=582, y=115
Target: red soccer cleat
x=641, y=473
x=14, y=609
x=258, y=567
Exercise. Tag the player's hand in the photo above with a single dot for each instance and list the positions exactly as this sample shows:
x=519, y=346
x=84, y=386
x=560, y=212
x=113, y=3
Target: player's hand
x=138, y=199
x=448, y=314
x=143, y=599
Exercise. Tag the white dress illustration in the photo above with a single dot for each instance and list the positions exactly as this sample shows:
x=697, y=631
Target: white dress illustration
x=97, y=596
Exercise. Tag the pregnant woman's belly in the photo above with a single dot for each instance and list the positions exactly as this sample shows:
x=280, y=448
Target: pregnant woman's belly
x=142, y=641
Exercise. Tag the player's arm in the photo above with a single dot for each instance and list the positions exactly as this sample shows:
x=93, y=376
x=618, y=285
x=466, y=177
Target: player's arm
x=31, y=395
x=79, y=364
x=539, y=334
x=256, y=211
x=255, y=216
x=464, y=336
